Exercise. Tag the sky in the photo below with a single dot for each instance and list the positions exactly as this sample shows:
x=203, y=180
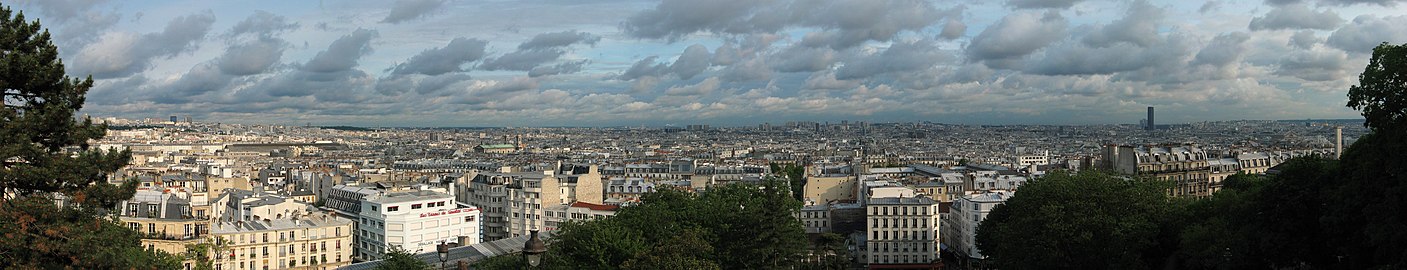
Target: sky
x=461, y=63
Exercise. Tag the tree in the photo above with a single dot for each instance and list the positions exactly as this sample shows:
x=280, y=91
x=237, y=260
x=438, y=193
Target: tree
x=1082, y=221
x=1381, y=93
x=397, y=258
x=735, y=226
x=44, y=153
x=1366, y=215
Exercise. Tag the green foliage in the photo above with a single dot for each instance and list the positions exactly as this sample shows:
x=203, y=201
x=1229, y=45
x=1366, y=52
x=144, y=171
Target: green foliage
x=1380, y=92
x=1083, y=221
x=796, y=178
x=1367, y=215
x=41, y=235
x=397, y=258
x=736, y=226
x=44, y=152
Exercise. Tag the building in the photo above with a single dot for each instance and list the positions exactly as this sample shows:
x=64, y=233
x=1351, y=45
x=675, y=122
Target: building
x=1186, y=166
x=627, y=191
x=966, y=213
x=495, y=148
x=822, y=189
x=306, y=241
x=901, y=232
x=816, y=218
x=165, y=220
x=513, y=203
x=554, y=216
x=1151, y=124
x=265, y=231
x=347, y=200
x=415, y=220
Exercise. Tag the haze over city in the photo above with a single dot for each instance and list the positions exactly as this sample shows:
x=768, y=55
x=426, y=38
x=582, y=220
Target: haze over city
x=598, y=63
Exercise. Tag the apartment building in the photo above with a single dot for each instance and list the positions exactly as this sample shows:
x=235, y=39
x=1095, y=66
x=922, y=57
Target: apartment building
x=306, y=241
x=901, y=232
x=165, y=219
x=960, y=228
x=579, y=211
x=513, y=203
x=415, y=220
x=1186, y=166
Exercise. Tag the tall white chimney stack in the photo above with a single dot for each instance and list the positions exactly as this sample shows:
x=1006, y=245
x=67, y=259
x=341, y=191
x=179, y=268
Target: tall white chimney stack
x=1338, y=142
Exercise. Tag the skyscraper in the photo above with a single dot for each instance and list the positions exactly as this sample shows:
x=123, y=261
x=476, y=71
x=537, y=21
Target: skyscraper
x=1151, y=125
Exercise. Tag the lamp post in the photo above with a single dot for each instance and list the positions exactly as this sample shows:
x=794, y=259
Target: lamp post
x=443, y=250
x=533, y=249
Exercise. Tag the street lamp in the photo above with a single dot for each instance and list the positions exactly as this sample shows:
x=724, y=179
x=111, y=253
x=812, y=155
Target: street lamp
x=443, y=250
x=533, y=249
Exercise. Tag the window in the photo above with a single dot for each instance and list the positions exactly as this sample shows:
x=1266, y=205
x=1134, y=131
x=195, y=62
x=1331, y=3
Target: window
x=132, y=209
x=134, y=226
x=151, y=228
x=415, y=206
x=392, y=208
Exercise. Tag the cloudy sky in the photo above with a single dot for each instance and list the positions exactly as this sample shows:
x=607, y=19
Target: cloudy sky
x=725, y=62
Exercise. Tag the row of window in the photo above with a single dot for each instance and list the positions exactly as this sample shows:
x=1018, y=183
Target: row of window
x=877, y=235
x=899, y=222
x=899, y=210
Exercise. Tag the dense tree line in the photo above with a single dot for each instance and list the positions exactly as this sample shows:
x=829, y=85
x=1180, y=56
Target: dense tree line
x=44, y=154
x=736, y=226
x=1315, y=213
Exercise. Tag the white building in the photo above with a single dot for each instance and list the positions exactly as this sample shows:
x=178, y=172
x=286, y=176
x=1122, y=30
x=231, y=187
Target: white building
x=901, y=231
x=413, y=220
x=816, y=218
x=964, y=216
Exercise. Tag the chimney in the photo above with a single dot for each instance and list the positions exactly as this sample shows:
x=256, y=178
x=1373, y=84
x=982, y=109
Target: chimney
x=1338, y=142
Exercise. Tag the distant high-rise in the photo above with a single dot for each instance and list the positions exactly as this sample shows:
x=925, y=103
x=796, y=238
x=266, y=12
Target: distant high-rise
x=173, y=118
x=1151, y=125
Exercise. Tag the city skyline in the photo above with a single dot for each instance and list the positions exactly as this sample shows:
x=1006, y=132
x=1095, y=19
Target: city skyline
x=726, y=63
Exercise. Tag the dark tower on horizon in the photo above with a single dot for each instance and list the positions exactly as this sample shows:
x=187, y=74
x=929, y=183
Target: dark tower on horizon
x=1151, y=124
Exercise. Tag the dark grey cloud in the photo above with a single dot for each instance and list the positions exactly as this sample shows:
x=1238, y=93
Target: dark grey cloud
x=726, y=54
x=1224, y=49
x=1314, y=65
x=76, y=22
x=1305, y=39
x=522, y=60
x=425, y=85
x=1367, y=31
x=1056, y=4
x=803, y=59
x=673, y=19
x=559, y=39
x=693, y=61
x=202, y=78
x=121, y=55
x=406, y=10
x=568, y=67
x=488, y=91
x=1139, y=26
x=953, y=29
x=856, y=21
x=1016, y=36
x=343, y=54
x=899, y=57
x=1296, y=17
x=344, y=86
x=648, y=67
x=251, y=57
x=450, y=58
x=849, y=22
x=1079, y=59
x=263, y=24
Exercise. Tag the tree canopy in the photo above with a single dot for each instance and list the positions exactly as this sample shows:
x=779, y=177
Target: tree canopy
x=44, y=154
x=1064, y=220
x=397, y=258
x=736, y=226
